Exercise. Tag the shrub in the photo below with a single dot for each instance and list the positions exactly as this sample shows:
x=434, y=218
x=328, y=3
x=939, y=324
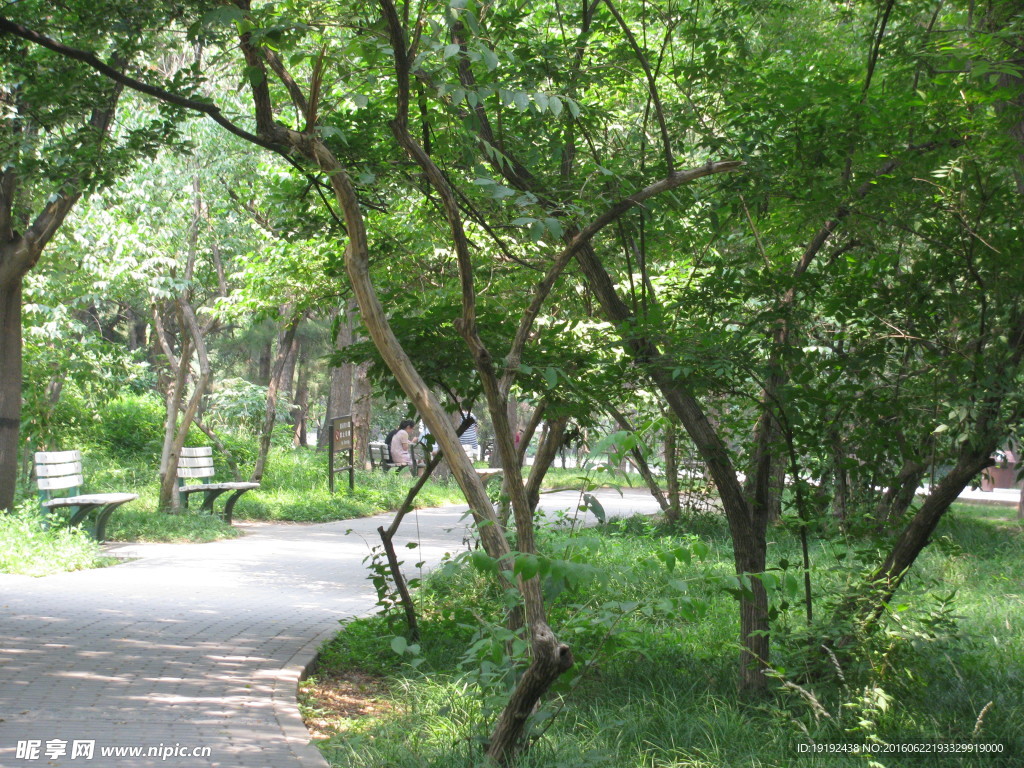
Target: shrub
x=29, y=545
x=132, y=425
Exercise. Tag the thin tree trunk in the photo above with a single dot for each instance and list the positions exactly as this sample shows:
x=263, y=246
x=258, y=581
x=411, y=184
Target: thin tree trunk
x=531, y=428
x=168, y=499
x=301, y=409
x=899, y=496
x=544, y=458
x=674, y=511
x=175, y=432
x=265, y=363
x=270, y=414
x=747, y=525
x=10, y=388
x=362, y=405
x=339, y=399
x=640, y=461
x=917, y=533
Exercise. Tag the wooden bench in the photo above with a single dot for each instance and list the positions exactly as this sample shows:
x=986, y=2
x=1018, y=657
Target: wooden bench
x=62, y=471
x=198, y=463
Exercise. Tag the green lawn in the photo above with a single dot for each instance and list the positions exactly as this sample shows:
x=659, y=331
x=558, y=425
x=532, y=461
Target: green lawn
x=294, y=489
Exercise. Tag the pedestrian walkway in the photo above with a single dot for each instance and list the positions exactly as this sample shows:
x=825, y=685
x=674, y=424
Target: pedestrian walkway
x=190, y=654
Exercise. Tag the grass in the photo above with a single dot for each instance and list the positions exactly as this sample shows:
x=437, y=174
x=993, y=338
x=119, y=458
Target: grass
x=654, y=682
x=31, y=547
x=294, y=489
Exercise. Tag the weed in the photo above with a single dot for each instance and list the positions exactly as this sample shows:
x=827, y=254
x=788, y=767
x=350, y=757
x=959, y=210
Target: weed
x=30, y=545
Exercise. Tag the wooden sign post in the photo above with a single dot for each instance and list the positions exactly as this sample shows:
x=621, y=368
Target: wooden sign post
x=340, y=441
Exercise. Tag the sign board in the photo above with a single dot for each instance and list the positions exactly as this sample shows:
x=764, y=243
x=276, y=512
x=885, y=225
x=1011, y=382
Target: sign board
x=340, y=453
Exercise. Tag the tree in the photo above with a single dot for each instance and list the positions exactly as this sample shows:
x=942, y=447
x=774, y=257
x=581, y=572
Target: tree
x=58, y=146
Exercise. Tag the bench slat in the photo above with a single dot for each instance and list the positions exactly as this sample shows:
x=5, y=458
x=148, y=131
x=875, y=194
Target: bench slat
x=59, y=483
x=92, y=498
x=59, y=470
x=57, y=457
x=193, y=452
x=200, y=461
x=218, y=487
x=184, y=472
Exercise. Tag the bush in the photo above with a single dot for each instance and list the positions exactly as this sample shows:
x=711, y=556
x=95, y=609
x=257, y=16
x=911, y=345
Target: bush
x=29, y=545
x=132, y=425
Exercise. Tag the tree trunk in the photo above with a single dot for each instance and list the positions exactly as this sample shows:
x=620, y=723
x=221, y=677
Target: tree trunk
x=528, y=431
x=362, y=411
x=270, y=414
x=674, y=511
x=747, y=524
x=899, y=496
x=286, y=380
x=168, y=499
x=543, y=459
x=265, y=363
x=301, y=410
x=339, y=399
x=175, y=433
x=915, y=536
x=10, y=387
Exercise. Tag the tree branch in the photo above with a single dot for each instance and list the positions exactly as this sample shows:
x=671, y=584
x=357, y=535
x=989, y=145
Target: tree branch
x=205, y=107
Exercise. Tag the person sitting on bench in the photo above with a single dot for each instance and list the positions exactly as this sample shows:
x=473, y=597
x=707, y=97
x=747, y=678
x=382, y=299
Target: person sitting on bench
x=401, y=446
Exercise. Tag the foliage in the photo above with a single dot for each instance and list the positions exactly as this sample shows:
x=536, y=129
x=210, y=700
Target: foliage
x=659, y=692
x=31, y=546
x=239, y=405
x=137, y=523
x=131, y=426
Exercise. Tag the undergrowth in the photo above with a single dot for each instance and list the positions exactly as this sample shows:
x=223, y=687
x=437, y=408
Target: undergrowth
x=31, y=546
x=652, y=624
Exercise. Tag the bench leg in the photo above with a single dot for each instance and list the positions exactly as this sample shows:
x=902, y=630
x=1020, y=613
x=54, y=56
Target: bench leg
x=229, y=507
x=209, y=497
x=101, y=520
x=79, y=514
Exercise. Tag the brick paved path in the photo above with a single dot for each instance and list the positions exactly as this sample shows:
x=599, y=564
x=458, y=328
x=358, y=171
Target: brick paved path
x=195, y=645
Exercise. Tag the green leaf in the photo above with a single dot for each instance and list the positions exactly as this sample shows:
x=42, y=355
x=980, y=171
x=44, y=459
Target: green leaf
x=537, y=230
x=526, y=566
x=451, y=50
x=482, y=561
x=399, y=644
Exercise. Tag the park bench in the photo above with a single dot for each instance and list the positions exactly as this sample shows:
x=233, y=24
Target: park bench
x=489, y=474
x=380, y=457
x=198, y=463
x=62, y=471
